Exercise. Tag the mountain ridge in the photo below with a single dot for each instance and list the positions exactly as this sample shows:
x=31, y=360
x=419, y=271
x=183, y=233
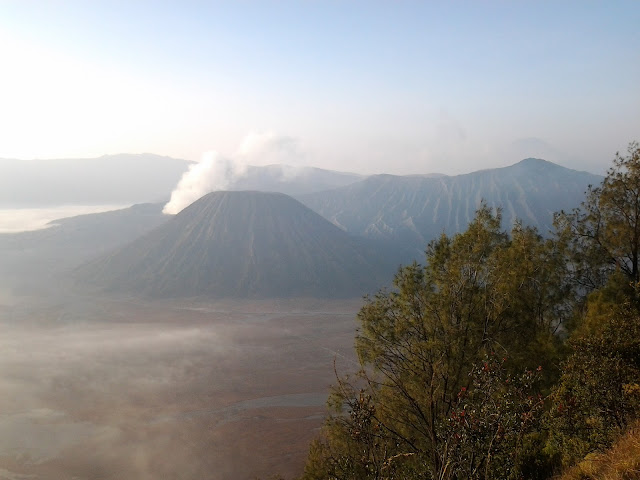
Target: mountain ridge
x=412, y=210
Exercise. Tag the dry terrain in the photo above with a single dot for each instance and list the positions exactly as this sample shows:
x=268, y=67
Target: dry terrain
x=122, y=389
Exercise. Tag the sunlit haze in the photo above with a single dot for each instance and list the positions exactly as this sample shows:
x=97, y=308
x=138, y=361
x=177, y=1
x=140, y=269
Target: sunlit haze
x=369, y=87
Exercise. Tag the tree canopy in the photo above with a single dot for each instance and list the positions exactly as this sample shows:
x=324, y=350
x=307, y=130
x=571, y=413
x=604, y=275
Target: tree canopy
x=604, y=232
x=481, y=294
x=469, y=365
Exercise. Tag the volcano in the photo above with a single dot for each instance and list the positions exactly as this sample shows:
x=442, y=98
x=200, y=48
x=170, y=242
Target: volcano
x=243, y=245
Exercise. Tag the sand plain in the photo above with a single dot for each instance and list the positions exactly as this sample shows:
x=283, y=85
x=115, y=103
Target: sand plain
x=103, y=388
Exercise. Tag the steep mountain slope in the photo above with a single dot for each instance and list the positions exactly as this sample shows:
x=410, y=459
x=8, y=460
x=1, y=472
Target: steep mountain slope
x=242, y=244
x=412, y=210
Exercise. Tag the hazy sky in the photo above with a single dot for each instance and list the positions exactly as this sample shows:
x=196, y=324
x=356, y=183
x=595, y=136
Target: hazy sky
x=371, y=86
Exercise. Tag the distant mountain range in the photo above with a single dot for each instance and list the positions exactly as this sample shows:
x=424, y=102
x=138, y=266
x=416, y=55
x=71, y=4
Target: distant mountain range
x=242, y=244
x=412, y=210
x=250, y=244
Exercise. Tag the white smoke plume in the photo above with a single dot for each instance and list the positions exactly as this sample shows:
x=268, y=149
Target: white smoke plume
x=213, y=173
x=218, y=172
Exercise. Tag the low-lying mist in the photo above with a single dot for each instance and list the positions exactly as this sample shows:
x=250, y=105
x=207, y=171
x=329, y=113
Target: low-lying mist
x=116, y=389
x=13, y=220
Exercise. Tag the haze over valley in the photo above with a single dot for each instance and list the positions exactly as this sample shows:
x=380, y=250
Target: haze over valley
x=210, y=335
x=203, y=204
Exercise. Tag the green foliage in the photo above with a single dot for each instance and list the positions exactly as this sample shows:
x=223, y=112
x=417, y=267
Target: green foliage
x=436, y=397
x=604, y=234
x=601, y=303
x=356, y=445
x=480, y=291
x=598, y=394
x=487, y=433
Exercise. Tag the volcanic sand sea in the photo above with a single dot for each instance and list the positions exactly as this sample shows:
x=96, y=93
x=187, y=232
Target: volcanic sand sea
x=94, y=388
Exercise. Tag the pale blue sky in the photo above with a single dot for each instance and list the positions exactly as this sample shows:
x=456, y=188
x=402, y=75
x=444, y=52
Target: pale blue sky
x=395, y=86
